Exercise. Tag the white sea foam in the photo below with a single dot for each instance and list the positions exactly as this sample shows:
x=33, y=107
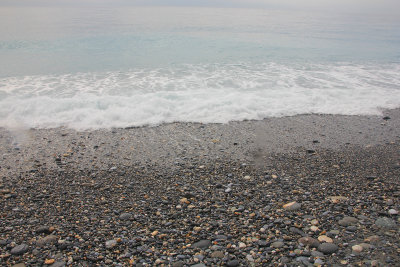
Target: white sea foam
x=197, y=93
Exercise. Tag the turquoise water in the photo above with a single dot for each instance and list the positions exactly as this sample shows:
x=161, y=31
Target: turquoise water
x=117, y=67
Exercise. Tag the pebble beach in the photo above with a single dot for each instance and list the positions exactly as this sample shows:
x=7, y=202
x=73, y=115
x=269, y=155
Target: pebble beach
x=307, y=190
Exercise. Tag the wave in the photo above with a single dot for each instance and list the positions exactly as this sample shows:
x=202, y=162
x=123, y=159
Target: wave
x=207, y=93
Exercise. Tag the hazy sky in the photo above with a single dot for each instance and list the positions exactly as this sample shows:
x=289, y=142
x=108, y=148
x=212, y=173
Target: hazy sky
x=340, y=5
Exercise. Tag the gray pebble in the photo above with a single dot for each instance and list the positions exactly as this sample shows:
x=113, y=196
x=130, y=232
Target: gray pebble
x=385, y=222
x=328, y=248
x=233, y=263
x=20, y=249
x=202, y=244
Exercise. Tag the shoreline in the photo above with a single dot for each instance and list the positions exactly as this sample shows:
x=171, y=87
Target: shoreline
x=183, y=194
x=166, y=144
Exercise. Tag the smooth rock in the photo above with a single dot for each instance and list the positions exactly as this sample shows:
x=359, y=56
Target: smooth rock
x=346, y=221
x=19, y=265
x=199, y=265
x=393, y=212
x=111, y=243
x=125, y=216
x=58, y=264
x=43, y=229
x=338, y=199
x=373, y=239
x=357, y=248
x=202, y=244
x=47, y=240
x=20, y=249
x=316, y=253
x=385, y=222
x=328, y=248
x=242, y=245
x=233, y=263
x=217, y=254
x=309, y=241
x=277, y=244
x=292, y=206
x=324, y=238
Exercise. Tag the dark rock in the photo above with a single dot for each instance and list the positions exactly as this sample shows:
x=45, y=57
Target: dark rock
x=50, y=239
x=58, y=264
x=202, y=244
x=125, y=216
x=385, y=222
x=346, y=221
x=233, y=263
x=43, y=229
x=20, y=249
x=309, y=241
x=328, y=248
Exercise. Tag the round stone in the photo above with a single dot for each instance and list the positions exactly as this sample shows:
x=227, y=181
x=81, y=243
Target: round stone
x=346, y=221
x=233, y=263
x=328, y=248
x=385, y=222
x=277, y=244
x=309, y=241
x=20, y=249
x=292, y=206
x=202, y=244
x=125, y=216
x=357, y=248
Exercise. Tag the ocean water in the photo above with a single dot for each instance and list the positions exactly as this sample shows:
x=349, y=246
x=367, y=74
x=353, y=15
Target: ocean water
x=94, y=67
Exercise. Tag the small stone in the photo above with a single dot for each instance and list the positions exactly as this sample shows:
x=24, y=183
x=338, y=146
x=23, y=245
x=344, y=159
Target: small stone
x=351, y=228
x=328, y=248
x=58, y=264
x=242, y=245
x=316, y=253
x=277, y=244
x=184, y=201
x=314, y=228
x=385, y=222
x=357, y=248
x=199, y=265
x=366, y=246
x=393, y=212
x=202, y=244
x=249, y=258
x=50, y=239
x=49, y=261
x=375, y=263
x=338, y=199
x=309, y=241
x=324, y=238
x=43, y=229
x=111, y=243
x=177, y=264
x=303, y=260
x=346, y=221
x=154, y=233
x=292, y=206
x=373, y=239
x=20, y=249
x=233, y=263
x=125, y=216
x=217, y=254
x=19, y=265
